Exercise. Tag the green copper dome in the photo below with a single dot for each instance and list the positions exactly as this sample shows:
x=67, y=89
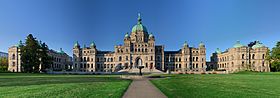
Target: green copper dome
x=19, y=44
x=92, y=44
x=126, y=35
x=201, y=44
x=139, y=26
x=185, y=44
x=151, y=35
x=237, y=44
x=76, y=44
x=218, y=51
x=258, y=45
x=61, y=51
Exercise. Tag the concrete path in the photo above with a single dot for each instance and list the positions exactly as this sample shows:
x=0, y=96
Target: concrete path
x=143, y=88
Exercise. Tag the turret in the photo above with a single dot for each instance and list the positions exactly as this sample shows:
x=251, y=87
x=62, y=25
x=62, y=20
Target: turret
x=92, y=45
x=201, y=45
x=151, y=37
x=77, y=45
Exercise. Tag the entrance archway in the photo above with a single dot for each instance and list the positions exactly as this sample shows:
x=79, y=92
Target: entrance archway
x=138, y=63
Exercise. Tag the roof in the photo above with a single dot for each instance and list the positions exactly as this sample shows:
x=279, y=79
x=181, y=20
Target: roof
x=139, y=26
x=258, y=45
x=237, y=44
x=171, y=52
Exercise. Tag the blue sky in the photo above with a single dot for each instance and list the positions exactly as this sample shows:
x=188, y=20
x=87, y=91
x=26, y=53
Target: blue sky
x=217, y=23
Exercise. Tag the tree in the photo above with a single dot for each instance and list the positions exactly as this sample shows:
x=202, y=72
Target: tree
x=30, y=55
x=45, y=58
x=3, y=64
x=275, y=57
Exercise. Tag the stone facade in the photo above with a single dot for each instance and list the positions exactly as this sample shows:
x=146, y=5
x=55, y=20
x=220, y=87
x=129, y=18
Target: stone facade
x=241, y=57
x=61, y=61
x=139, y=49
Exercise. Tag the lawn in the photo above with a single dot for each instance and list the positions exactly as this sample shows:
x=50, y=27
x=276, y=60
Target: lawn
x=43, y=85
x=261, y=85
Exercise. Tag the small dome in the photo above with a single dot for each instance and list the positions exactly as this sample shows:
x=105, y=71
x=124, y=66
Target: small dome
x=139, y=26
x=126, y=35
x=76, y=44
x=19, y=44
x=218, y=51
x=151, y=35
x=186, y=44
x=258, y=45
x=237, y=44
x=201, y=44
x=61, y=51
x=92, y=44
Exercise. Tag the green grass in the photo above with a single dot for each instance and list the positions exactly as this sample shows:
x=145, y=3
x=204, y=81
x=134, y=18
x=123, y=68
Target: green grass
x=43, y=85
x=238, y=85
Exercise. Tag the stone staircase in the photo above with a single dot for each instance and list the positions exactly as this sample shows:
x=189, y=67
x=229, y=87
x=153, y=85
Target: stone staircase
x=144, y=70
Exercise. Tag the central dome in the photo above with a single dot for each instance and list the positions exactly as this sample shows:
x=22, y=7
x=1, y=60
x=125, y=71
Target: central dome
x=139, y=26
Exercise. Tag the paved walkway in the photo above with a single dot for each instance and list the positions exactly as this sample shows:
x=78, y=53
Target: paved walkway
x=143, y=88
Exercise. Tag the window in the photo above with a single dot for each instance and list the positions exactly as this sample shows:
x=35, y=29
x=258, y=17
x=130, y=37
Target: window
x=263, y=56
x=97, y=60
x=13, y=57
x=120, y=58
x=253, y=56
x=242, y=56
x=85, y=59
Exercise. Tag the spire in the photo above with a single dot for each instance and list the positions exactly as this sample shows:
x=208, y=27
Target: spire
x=139, y=19
x=186, y=44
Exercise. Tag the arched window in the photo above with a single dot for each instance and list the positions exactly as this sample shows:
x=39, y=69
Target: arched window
x=253, y=56
x=120, y=58
x=85, y=59
x=13, y=57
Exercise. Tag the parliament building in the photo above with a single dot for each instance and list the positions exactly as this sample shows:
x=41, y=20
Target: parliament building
x=242, y=57
x=139, y=49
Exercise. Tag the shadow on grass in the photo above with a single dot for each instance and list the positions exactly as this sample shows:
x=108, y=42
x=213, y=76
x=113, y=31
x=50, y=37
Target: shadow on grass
x=25, y=81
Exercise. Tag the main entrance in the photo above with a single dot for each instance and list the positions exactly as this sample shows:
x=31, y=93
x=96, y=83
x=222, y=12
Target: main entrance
x=139, y=62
